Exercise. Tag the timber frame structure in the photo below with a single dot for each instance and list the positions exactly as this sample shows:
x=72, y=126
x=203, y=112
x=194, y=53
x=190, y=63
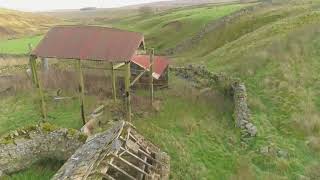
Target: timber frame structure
x=92, y=43
x=118, y=153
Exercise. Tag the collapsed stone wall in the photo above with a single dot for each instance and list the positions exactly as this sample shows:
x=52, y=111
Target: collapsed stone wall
x=120, y=146
x=232, y=86
x=24, y=147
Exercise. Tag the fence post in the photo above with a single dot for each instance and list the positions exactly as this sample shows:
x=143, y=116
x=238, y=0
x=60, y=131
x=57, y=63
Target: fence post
x=150, y=74
x=113, y=78
x=127, y=89
x=81, y=89
x=38, y=85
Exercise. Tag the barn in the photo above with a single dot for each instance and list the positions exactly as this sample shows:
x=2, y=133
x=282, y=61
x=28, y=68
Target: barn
x=122, y=53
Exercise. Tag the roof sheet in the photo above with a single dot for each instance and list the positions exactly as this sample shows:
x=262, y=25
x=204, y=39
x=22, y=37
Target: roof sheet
x=89, y=43
x=160, y=64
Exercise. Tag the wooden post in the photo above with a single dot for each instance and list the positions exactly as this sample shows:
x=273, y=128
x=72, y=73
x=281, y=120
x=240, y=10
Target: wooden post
x=127, y=89
x=30, y=66
x=81, y=89
x=151, y=72
x=37, y=83
x=45, y=64
x=113, y=78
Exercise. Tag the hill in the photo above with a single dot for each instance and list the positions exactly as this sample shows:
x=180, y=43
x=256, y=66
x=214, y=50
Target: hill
x=16, y=24
x=114, y=14
x=272, y=47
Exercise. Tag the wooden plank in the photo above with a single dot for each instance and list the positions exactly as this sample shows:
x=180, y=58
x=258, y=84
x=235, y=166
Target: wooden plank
x=122, y=171
x=38, y=86
x=151, y=77
x=131, y=165
x=30, y=64
x=127, y=89
x=106, y=176
x=113, y=78
x=99, y=109
x=81, y=89
x=135, y=156
x=117, y=66
x=138, y=77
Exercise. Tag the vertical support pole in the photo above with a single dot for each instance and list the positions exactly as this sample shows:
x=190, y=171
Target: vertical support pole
x=113, y=78
x=30, y=66
x=127, y=88
x=81, y=89
x=151, y=77
x=37, y=83
x=45, y=64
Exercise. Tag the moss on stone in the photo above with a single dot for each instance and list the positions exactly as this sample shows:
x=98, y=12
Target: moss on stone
x=30, y=128
x=47, y=127
x=7, y=140
x=72, y=132
x=82, y=138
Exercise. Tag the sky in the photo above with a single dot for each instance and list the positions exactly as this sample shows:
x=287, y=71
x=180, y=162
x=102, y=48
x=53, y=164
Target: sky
x=44, y=5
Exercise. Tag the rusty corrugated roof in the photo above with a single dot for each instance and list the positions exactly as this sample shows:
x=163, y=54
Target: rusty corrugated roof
x=89, y=43
x=160, y=64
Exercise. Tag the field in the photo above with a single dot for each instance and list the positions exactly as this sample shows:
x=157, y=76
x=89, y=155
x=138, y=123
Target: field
x=18, y=46
x=273, y=48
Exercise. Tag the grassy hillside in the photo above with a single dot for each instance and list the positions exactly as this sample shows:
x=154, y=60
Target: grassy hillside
x=17, y=24
x=273, y=48
x=162, y=31
x=166, y=29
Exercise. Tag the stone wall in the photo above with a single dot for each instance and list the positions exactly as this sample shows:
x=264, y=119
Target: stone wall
x=23, y=147
x=199, y=76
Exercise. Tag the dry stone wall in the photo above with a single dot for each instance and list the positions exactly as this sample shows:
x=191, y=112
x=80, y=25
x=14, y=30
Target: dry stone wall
x=199, y=76
x=24, y=147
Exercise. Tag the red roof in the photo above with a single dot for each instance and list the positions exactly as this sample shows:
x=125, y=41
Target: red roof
x=160, y=64
x=89, y=43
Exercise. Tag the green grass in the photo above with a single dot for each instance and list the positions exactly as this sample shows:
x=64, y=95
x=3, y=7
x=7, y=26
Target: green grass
x=162, y=31
x=274, y=50
x=43, y=170
x=24, y=110
x=193, y=134
x=18, y=46
x=167, y=29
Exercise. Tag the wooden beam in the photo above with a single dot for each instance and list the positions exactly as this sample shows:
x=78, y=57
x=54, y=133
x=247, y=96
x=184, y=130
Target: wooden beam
x=117, y=66
x=135, y=156
x=106, y=176
x=131, y=165
x=38, y=85
x=113, y=78
x=151, y=77
x=30, y=64
x=127, y=89
x=122, y=171
x=138, y=77
x=81, y=89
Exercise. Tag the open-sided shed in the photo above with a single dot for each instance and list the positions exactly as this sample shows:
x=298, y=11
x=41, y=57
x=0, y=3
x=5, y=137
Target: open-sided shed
x=92, y=43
